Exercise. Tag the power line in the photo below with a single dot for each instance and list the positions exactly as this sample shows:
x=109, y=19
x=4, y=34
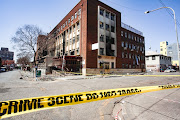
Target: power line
x=171, y=14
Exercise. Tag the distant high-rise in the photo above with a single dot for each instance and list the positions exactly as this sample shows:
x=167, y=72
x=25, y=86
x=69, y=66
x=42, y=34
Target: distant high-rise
x=170, y=50
x=5, y=54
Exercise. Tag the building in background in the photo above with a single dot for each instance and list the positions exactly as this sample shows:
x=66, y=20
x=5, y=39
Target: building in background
x=7, y=58
x=170, y=50
x=163, y=48
x=93, y=31
x=157, y=62
x=5, y=54
x=173, y=52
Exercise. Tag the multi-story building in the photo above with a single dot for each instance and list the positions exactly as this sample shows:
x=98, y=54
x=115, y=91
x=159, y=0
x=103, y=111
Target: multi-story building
x=170, y=50
x=41, y=47
x=173, y=52
x=5, y=54
x=163, y=48
x=157, y=62
x=94, y=31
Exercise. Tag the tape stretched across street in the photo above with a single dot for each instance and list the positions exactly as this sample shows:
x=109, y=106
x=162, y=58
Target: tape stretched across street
x=21, y=106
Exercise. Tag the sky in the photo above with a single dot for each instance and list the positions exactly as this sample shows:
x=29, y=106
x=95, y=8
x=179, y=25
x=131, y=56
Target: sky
x=156, y=26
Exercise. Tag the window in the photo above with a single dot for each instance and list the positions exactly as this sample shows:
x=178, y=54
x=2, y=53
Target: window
x=73, y=40
x=75, y=15
x=126, y=34
x=127, y=65
x=130, y=55
x=140, y=40
x=70, y=30
x=68, y=20
x=170, y=47
x=122, y=44
x=122, y=54
x=66, y=23
x=135, y=38
x=137, y=48
x=147, y=58
x=101, y=51
x=112, y=29
x=140, y=48
x=112, y=40
x=78, y=25
x=122, y=65
x=126, y=55
x=107, y=14
x=107, y=27
x=79, y=12
x=132, y=46
x=129, y=46
x=77, y=38
x=161, y=49
x=72, y=18
x=132, y=37
x=121, y=33
x=102, y=12
x=112, y=17
x=112, y=65
x=101, y=25
x=102, y=38
x=153, y=57
x=70, y=41
x=162, y=57
x=129, y=36
x=107, y=39
x=126, y=45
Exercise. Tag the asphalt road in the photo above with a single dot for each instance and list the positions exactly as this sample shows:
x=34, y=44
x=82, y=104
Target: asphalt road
x=135, y=107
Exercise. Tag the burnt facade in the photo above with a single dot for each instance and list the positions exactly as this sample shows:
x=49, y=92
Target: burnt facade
x=94, y=31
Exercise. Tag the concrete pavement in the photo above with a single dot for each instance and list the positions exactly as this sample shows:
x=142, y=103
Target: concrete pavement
x=15, y=88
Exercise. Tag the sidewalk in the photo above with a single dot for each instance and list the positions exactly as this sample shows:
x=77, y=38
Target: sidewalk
x=161, y=105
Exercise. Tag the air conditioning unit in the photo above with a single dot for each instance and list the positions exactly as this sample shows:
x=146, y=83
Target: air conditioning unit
x=132, y=50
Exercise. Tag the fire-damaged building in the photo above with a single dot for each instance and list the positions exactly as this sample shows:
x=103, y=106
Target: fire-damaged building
x=91, y=38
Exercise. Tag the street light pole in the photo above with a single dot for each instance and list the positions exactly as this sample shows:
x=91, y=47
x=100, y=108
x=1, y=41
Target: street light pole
x=175, y=28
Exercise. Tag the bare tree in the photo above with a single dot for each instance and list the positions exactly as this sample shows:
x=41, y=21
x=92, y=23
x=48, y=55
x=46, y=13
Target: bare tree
x=23, y=61
x=25, y=40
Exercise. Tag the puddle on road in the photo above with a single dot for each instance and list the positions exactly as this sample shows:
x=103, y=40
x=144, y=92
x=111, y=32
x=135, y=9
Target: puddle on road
x=4, y=90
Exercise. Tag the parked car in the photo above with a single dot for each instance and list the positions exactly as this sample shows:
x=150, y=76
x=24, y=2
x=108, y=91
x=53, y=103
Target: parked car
x=3, y=69
x=170, y=70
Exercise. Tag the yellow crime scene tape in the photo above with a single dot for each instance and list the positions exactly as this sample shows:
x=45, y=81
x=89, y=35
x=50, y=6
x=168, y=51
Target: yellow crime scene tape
x=21, y=106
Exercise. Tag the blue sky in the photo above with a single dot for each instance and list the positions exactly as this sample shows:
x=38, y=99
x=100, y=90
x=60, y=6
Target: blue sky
x=156, y=26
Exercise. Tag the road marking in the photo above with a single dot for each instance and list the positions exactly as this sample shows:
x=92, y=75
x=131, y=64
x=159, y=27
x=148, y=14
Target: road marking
x=104, y=104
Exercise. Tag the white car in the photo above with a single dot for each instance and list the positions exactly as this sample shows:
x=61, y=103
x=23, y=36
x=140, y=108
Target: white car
x=170, y=70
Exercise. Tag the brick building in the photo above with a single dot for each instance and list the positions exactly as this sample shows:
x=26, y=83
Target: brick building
x=94, y=31
x=41, y=47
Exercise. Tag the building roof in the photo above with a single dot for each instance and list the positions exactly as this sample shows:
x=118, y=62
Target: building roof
x=153, y=53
